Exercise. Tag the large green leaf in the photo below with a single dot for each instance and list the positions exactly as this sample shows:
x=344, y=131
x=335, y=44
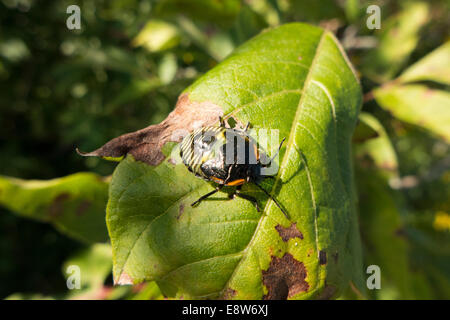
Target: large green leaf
x=418, y=105
x=295, y=79
x=75, y=204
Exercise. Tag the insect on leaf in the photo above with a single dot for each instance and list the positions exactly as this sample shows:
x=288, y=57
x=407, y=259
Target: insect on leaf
x=295, y=79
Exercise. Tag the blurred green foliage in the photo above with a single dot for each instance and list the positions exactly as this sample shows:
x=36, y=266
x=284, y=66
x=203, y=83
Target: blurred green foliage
x=73, y=204
x=124, y=69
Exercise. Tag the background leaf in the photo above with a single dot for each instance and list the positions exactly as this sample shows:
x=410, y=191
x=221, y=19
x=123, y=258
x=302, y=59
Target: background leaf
x=433, y=67
x=398, y=37
x=236, y=251
x=379, y=206
x=75, y=204
x=95, y=266
x=419, y=105
x=157, y=35
x=397, y=246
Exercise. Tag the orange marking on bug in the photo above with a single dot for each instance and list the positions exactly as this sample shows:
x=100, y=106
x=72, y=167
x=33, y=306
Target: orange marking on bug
x=217, y=180
x=256, y=151
x=237, y=182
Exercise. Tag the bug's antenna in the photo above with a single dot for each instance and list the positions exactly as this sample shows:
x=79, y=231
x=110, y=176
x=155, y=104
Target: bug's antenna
x=276, y=153
x=279, y=148
x=276, y=202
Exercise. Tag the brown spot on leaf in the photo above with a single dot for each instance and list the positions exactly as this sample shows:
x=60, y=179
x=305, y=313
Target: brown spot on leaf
x=289, y=233
x=57, y=206
x=284, y=278
x=229, y=294
x=83, y=207
x=322, y=257
x=180, y=211
x=145, y=144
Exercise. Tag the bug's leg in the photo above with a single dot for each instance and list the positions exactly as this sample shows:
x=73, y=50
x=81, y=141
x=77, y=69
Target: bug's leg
x=273, y=199
x=207, y=195
x=222, y=122
x=237, y=193
x=247, y=126
x=229, y=175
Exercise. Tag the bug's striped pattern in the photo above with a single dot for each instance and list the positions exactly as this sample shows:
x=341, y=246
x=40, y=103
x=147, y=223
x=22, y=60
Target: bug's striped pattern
x=201, y=144
x=228, y=157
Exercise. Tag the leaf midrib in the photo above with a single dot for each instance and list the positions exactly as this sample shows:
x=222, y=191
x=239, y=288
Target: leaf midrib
x=282, y=166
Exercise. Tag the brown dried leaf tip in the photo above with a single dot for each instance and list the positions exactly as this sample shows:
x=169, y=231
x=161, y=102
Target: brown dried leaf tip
x=284, y=278
x=145, y=144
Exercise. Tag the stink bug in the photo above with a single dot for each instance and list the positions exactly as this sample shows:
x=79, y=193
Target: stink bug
x=228, y=157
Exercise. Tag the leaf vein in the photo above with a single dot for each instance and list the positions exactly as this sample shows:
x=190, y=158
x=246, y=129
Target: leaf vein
x=285, y=158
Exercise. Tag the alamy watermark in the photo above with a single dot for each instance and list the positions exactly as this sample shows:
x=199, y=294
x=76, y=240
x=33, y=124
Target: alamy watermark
x=374, y=280
x=73, y=22
x=74, y=278
x=374, y=20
